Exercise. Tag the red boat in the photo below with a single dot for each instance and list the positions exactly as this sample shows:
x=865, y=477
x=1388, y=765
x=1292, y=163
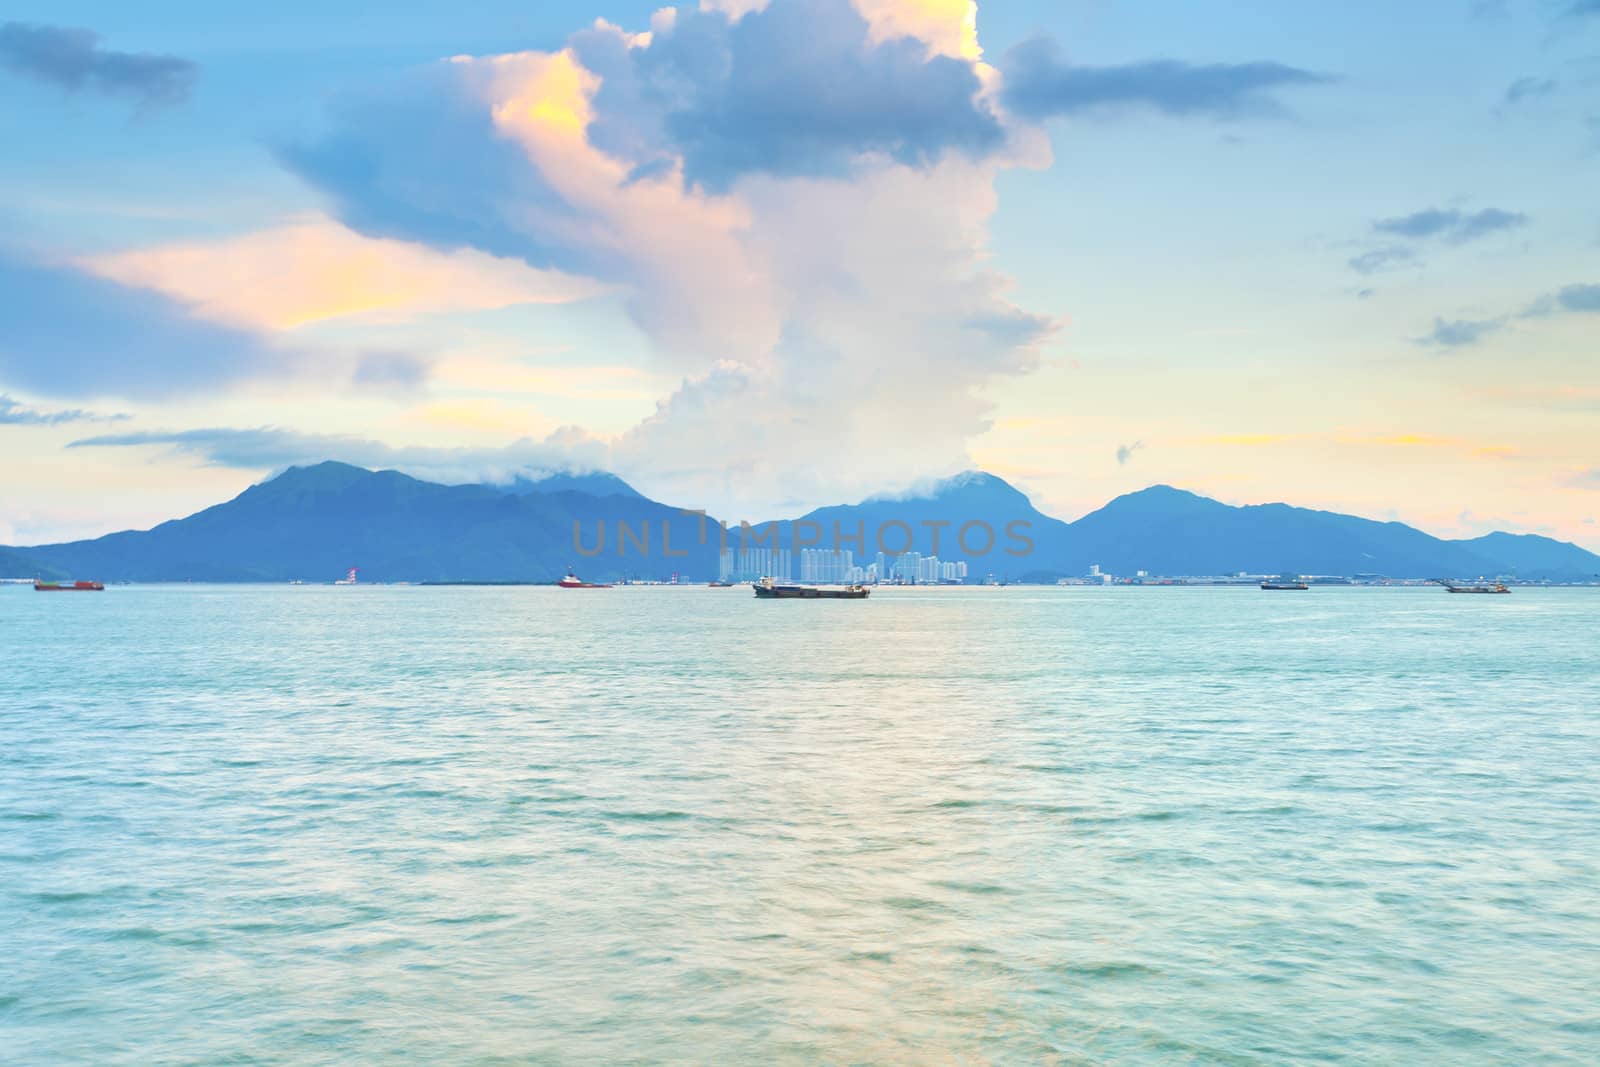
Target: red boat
x=572, y=581
x=75, y=587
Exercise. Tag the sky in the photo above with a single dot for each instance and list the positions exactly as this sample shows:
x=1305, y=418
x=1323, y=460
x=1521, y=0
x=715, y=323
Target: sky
x=758, y=257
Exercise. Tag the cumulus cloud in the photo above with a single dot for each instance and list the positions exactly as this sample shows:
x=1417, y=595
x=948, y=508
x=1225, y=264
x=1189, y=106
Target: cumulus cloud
x=16, y=413
x=72, y=60
x=273, y=448
x=801, y=89
x=67, y=332
x=1450, y=225
x=1458, y=333
x=1041, y=83
x=801, y=234
x=314, y=269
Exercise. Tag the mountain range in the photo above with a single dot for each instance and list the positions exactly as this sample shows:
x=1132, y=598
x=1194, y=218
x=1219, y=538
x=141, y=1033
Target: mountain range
x=314, y=522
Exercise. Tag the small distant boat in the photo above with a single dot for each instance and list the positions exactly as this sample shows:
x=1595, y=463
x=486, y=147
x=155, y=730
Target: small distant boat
x=348, y=579
x=767, y=589
x=572, y=581
x=1492, y=587
x=75, y=587
x=1284, y=585
x=719, y=585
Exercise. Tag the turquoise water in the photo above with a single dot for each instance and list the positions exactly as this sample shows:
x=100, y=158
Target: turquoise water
x=411, y=825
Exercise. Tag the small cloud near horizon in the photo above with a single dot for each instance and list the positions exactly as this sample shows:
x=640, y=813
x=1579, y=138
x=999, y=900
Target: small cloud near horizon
x=1125, y=452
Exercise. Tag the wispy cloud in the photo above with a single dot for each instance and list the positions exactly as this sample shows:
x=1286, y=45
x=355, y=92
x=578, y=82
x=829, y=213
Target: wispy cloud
x=1458, y=333
x=1530, y=88
x=1041, y=83
x=1451, y=225
x=313, y=269
x=67, y=332
x=1405, y=235
x=1125, y=452
x=1568, y=300
x=72, y=60
x=1580, y=299
x=1378, y=259
x=15, y=413
x=274, y=448
x=1246, y=440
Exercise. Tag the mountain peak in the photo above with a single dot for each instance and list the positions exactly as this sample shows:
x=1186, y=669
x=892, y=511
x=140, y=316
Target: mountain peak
x=594, y=483
x=327, y=475
x=966, y=486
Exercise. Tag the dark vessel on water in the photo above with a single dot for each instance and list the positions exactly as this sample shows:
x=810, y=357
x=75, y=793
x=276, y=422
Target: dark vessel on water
x=1493, y=587
x=1284, y=585
x=767, y=589
x=75, y=587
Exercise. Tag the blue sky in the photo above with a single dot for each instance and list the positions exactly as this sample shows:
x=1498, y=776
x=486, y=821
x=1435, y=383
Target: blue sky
x=1344, y=255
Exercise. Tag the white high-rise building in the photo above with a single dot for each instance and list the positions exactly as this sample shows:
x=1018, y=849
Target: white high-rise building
x=824, y=566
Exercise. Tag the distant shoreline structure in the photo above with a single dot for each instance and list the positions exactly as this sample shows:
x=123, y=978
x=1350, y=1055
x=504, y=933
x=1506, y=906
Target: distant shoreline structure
x=975, y=528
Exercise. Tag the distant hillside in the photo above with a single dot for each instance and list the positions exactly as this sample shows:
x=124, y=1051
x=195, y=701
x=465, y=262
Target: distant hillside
x=16, y=565
x=1170, y=531
x=1164, y=530
x=1532, y=556
x=315, y=522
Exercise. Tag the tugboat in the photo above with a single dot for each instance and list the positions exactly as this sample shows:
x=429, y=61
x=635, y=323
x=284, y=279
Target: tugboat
x=75, y=587
x=572, y=581
x=767, y=589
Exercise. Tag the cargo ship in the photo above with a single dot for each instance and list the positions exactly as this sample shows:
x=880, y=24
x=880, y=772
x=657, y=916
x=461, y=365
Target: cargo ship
x=767, y=589
x=1284, y=585
x=572, y=581
x=1494, y=587
x=75, y=587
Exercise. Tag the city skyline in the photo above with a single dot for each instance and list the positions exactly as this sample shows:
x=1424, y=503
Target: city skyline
x=1342, y=258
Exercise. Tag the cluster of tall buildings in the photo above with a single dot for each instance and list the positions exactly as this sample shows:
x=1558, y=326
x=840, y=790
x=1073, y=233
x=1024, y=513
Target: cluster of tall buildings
x=825, y=566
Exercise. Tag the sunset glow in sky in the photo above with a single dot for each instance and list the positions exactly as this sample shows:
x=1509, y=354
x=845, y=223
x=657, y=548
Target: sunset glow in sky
x=757, y=257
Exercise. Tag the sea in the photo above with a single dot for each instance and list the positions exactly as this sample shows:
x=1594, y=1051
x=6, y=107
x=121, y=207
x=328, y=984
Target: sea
x=642, y=825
